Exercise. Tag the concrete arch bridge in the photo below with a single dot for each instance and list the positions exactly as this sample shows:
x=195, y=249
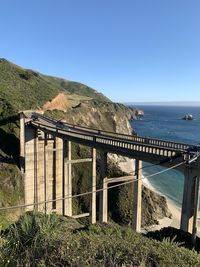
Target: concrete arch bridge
x=46, y=162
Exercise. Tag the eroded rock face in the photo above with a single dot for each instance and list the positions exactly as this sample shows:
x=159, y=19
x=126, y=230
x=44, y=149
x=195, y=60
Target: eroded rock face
x=60, y=102
x=104, y=116
x=154, y=207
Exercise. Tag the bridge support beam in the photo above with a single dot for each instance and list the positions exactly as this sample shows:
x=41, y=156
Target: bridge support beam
x=48, y=173
x=68, y=181
x=137, y=197
x=93, y=198
x=22, y=142
x=30, y=177
x=45, y=172
x=41, y=169
x=103, y=199
x=188, y=203
x=196, y=208
x=59, y=174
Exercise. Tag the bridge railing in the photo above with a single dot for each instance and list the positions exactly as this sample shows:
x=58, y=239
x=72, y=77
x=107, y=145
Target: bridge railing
x=110, y=141
x=140, y=139
x=134, y=138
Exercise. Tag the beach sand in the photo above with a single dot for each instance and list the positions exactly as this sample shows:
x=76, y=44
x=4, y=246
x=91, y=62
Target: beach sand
x=165, y=222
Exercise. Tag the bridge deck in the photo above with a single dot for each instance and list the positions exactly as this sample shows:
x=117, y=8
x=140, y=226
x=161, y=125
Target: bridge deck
x=147, y=149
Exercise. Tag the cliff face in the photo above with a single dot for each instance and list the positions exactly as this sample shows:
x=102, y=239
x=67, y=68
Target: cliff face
x=97, y=114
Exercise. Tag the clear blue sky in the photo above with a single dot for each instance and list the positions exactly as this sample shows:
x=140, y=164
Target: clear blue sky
x=130, y=50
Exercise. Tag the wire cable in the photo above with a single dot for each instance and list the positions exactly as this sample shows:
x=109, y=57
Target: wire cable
x=90, y=192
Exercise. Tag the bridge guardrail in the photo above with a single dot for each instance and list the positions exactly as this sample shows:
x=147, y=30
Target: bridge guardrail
x=112, y=141
x=144, y=140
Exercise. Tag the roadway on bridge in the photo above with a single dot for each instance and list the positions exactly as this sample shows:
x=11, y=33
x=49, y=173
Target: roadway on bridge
x=148, y=149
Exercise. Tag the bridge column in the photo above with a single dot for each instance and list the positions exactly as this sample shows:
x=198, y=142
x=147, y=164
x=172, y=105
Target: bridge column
x=93, y=199
x=30, y=177
x=48, y=172
x=103, y=200
x=196, y=209
x=137, y=196
x=68, y=181
x=45, y=172
x=188, y=203
x=22, y=142
x=40, y=173
x=59, y=174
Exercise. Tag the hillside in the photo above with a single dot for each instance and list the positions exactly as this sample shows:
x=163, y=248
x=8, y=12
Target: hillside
x=37, y=240
x=22, y=89
x=75, y=88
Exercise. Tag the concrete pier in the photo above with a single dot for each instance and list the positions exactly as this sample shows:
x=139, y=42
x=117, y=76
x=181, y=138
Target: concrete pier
x=30, y=167
x=22, y=143
x=93, y=198
x=103, y=195
x=59, y=174
x=196, y=208
x=137, y=196
x=188, y=203
x=41, y=174
x=49, y=144
x=68, y=180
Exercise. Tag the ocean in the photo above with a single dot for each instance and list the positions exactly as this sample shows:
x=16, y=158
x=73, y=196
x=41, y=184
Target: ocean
x=165, y=122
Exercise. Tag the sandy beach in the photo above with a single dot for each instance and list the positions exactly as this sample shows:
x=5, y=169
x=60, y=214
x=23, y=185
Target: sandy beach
x=165, y=222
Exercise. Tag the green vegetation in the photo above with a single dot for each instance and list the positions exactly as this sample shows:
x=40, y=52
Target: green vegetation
x=178, y=236
x=22, y=89
x=50, y=240
x=11, y=192
x=75, y=88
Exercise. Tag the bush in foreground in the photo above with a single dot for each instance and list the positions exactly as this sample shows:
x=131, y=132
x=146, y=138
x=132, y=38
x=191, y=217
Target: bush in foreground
x=50, y=240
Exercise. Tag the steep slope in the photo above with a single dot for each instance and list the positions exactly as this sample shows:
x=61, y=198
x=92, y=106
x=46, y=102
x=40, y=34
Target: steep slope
x=49, y=240
x=75, y=88
x=22, y=89
x=25, y=89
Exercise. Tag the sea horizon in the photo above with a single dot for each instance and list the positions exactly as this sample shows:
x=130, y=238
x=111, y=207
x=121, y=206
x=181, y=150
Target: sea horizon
x=165, y=103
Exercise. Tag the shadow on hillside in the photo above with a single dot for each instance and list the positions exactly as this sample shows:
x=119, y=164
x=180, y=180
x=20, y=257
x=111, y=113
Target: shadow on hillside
x=9, y=119
x=174, y=235
x=10, y=145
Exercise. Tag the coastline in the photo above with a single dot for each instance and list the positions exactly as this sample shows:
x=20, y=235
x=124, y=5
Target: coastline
x=164, y=222
x=173, y=208
x=127, y=165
